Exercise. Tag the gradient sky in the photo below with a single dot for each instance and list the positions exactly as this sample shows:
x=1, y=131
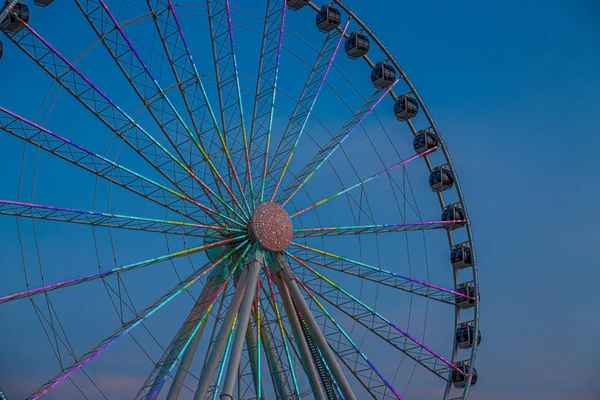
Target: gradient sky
x=514, y=88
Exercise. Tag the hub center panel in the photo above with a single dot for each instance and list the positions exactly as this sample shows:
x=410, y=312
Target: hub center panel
x=271, y=226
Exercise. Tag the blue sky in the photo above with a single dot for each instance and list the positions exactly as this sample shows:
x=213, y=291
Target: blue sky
x=514, y=90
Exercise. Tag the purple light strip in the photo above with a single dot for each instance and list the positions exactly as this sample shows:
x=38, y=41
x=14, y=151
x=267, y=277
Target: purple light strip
x=382, y=226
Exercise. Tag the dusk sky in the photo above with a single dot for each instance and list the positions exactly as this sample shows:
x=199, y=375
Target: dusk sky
x=514, y=89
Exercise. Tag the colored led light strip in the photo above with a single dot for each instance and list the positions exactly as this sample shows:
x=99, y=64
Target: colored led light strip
x=442, y=289
x=258, y=329
x=7, y=8
x=390, y=323
x=385, y=171
x=381, y=226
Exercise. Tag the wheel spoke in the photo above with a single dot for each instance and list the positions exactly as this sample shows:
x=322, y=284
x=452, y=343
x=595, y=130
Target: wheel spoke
x=117, y=270
x=359, y=184
x=377, y=323
x=212, y=290
x=304, y=108
x=228, y=84
x=334, y=143
x=6, y=8
x=266, y=90
x=152, y=96
x=93, y=218
x=127, y=327
x=379, y=275
x=372, y=229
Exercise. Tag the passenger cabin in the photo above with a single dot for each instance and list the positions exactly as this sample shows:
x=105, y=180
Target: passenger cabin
x=406, y=107
x=328, y=18
x=297, y=4
x=441, y=178
x=465, y=335
x=454, y=213
x=43, y=3
x=357, y=45
x=383, y=75
x=1, y=50
x=460, y=256
x=467, y=289
x=12, y=23
x=459, y=379
x=424, y=140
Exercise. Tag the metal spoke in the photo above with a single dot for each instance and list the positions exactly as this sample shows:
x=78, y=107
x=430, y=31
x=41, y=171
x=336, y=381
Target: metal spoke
x=117, y=270
x=119, y=122
x=352, y=356
x=128, y=326
x=151, y=94
x=334, y=143
x=266, y=91
x=379, y=275
x=93, y=218
x=377, y=323
x=6, y=8
x=372, y=229
x=228, y=85
x=304, y=108
x=362, y=182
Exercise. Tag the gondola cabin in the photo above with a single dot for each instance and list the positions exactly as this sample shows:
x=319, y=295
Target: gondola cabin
x=43, y=3
x=12, y=23
x=425, y=140
x=297, y=4
x=466, y=289
x=357, y=45
x=1, y=50
x=383, y=75
x=459, y=379
x=455, y=215
x=328, y=18
x=460, y=256
x=406, y=107
x=465, y=335
x=441, y=178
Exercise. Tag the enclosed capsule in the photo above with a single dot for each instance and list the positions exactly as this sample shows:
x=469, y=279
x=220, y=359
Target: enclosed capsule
x=441, y=178
x=12, y=23
x=383, y=75
x=465, y=335
x=455, y=214
x=328, y=18
x=425, y=140
x=466, y=289
x=43, y=3
x=297, y=4
x=406, y=107
x=357, y=45
x=459, y=379
x=1, y=49
x=460, y=256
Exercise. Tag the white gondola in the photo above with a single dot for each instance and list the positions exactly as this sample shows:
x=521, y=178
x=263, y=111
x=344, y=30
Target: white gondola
x=424, y=140
x=43, y=3
x=441, y=178
x=296, y=4
x=467, y=289
x=328, y=18
x=406, y=107
x=357, y=45
x=459, y=379
x=454, y=213
x=461, y=256
x=383, y=75
x=465, y=335
x=12, y=23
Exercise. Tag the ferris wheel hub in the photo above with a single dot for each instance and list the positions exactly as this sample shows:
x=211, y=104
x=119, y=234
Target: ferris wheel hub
x=271, y=226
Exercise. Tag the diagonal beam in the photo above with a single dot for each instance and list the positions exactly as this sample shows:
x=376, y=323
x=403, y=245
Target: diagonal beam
x=264, y=99
x=334, y=143
x=84, y=359
x=117, y=270
x=303, y=110
x=94, y=218
x=372, y=229
x=378, y=275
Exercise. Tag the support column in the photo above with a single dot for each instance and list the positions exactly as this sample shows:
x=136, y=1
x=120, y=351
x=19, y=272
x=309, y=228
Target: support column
x=309, y=367
x=243, y=318
x=253, y=355
x=217, y=350
x=274, y=364
x=286, y=274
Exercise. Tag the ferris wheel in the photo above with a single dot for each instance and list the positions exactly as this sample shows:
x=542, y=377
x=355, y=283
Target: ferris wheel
x=234, y=200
